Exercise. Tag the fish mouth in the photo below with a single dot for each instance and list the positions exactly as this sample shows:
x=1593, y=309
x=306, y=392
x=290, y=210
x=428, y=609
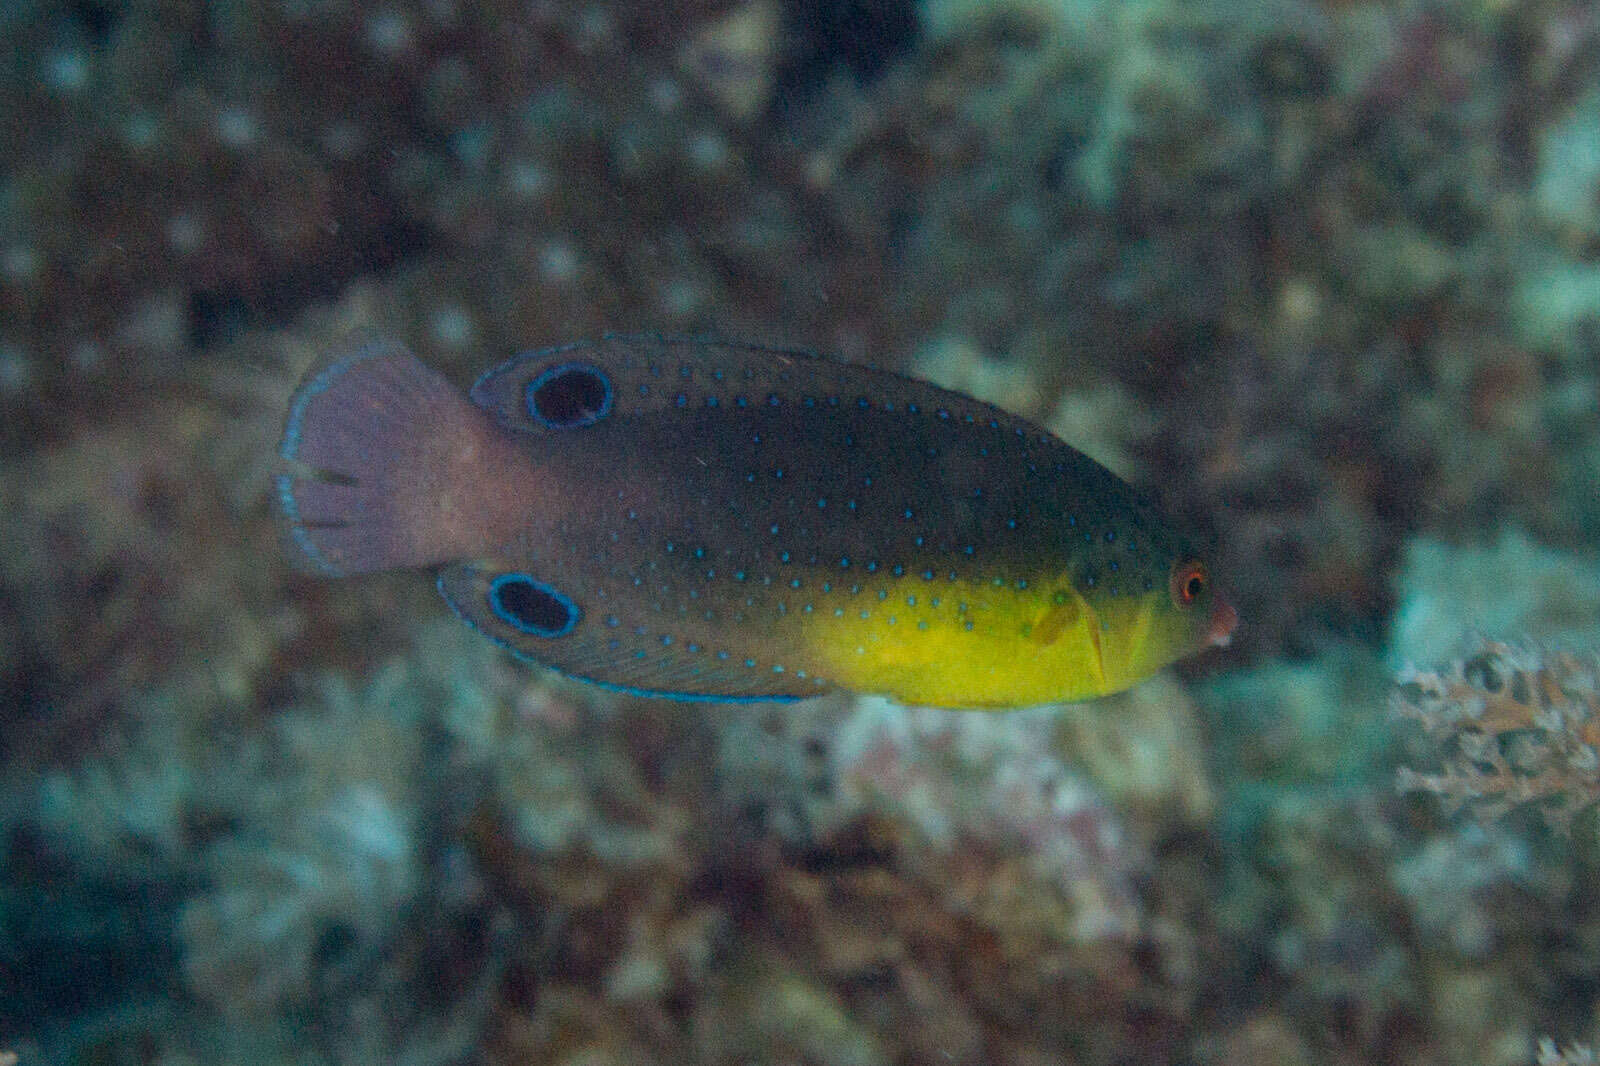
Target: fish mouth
x=1220, y=626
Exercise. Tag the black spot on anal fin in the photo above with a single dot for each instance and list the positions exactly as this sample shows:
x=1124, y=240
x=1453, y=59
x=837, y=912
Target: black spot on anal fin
x=544, y=621
x=531, y=606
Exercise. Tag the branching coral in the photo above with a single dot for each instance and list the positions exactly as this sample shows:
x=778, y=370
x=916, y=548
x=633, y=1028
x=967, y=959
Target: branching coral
x=1576, y=1055
x=1516, y=725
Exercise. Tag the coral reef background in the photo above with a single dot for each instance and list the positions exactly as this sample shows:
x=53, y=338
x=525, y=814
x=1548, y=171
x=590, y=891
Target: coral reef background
x=1322, y=274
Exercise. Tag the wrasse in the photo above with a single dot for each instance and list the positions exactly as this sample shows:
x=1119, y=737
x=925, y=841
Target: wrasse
x=703, y=520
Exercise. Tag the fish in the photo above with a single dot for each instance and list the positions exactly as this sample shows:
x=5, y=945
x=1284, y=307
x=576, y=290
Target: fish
x=705, y=520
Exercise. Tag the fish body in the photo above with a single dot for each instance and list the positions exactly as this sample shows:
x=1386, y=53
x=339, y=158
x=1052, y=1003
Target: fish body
x=705, y=520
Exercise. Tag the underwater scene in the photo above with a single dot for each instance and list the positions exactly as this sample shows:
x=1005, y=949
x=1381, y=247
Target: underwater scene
x=800, y=532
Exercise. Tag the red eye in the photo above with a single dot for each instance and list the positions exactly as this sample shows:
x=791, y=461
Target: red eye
x=1189, y=581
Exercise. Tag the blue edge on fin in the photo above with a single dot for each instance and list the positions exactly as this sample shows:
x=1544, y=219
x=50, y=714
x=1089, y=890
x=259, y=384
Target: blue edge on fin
x=290, y=448
x=656, y=338
x=626, y=690
x=523, y=357
x=297, y=529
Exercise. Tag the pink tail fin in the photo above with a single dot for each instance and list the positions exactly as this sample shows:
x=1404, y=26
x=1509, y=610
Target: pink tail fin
x=369, y=442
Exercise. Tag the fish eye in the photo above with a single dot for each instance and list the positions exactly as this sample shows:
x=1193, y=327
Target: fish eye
x=1189, y=582
x=569, y=396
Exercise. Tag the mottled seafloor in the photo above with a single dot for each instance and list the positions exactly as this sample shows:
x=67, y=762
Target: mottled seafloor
x=1324, y=276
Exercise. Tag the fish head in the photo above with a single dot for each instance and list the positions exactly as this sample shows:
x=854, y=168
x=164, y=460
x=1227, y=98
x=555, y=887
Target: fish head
x=1175, y=618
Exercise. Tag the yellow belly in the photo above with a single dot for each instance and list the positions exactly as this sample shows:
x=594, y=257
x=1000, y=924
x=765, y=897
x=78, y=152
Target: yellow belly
x=958, y=644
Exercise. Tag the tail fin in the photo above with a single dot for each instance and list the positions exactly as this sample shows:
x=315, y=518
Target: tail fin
x=370, y=442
